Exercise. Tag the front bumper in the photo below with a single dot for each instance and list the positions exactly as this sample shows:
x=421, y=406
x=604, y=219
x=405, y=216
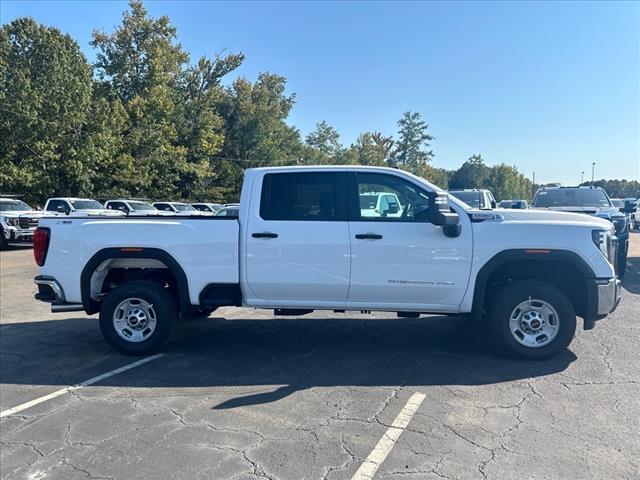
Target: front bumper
x=609, y=295
x=18, y=235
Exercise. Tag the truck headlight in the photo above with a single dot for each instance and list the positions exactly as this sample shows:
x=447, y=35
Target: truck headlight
x=13, y=221
x=606, y=243
x=599, y=238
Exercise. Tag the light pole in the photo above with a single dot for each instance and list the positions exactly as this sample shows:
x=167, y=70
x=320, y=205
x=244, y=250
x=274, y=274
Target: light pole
x=593, y=169
x=582, y=181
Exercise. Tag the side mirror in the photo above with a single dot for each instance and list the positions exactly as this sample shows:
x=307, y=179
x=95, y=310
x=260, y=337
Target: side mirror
x=440, y=214
x=60, y=209
x=493, y=204
x=393, y=208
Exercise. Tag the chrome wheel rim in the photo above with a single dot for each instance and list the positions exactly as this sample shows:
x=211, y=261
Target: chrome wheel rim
x=534, y=323
x=134, y=319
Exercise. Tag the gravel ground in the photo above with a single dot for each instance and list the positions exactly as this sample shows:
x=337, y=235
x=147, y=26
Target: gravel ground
x=246, y=395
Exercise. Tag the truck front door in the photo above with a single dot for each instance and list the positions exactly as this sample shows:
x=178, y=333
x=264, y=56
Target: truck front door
x=399, y=259
x=297, y=240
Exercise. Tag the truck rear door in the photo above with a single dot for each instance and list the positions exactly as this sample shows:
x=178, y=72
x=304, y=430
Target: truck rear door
x=297, y=240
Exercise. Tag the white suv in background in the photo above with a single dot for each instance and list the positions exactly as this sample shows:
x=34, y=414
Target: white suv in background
x=380, y=204
x=134, y=208
x=78, y=207
x=178, y=208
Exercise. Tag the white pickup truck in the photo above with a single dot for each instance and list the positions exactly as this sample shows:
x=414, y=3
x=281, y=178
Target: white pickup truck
x=301, y=243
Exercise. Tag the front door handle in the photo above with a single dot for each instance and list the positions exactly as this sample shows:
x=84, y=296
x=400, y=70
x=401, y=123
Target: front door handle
x=368, y=236
x=264, y=235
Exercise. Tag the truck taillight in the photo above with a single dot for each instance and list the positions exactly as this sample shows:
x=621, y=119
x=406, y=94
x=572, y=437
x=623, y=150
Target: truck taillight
x=41, y=244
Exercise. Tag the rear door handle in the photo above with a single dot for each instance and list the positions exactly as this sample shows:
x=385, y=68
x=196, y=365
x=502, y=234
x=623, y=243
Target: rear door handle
x=264, y=235
x=368, y=236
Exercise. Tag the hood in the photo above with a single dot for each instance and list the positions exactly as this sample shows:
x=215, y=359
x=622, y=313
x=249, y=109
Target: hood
x=90, y=212
x=24, y=213
x=602, y=212
x=554, y=216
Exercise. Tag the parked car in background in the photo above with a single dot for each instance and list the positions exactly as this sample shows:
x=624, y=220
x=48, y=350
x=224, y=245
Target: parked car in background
x=632, y=211
x=376, y=204
x=516, y=204
x=476, y=198
x=78, y=207
x=178, y=208
x=232, y=211
x=134, y=208
x=522, y=276
x=210, y=208
x=18, y=221
x=591, y=201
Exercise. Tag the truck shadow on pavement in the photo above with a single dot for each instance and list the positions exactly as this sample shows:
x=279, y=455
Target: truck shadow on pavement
x=290, y=354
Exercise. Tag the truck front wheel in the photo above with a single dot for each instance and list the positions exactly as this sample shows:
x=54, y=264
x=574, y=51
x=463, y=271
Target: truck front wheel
x=531, y=320
x=137, y=317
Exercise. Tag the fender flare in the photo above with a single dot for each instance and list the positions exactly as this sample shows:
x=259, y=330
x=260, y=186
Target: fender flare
x=532, y=255
x=91, y=306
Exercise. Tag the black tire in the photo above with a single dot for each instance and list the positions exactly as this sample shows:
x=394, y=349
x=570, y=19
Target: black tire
x=3, y=242
x=164, y=307
x=622, y=261
x=504, y=304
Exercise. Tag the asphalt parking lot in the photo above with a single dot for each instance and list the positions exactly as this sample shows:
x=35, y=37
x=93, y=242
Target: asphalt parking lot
x=246, y=395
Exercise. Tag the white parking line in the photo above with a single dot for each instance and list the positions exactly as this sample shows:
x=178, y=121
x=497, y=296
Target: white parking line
x=86, y=383
x=370, y=466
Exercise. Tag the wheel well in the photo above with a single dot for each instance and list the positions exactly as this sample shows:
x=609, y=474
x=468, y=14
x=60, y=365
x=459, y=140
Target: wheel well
x=115, y=273
x=111, y=267
x=563, y=275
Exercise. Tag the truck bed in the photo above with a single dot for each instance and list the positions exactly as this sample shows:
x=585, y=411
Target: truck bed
x=206, y=247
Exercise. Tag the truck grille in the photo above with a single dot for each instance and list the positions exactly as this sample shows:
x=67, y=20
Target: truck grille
x=28, y=222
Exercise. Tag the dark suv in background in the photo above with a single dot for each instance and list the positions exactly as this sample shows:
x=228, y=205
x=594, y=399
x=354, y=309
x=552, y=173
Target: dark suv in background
x=476, y=198
x=591, y=201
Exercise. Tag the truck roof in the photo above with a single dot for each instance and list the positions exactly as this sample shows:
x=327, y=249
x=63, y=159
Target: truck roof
x=69, y=198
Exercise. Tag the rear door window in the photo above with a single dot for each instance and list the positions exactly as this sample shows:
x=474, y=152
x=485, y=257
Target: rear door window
x=311, y=196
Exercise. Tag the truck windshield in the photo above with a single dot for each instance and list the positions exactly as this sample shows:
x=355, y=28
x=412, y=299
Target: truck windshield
x=470, y=198
x=85, y=204
x=572, y=197
x=14, y=206
x=141, y=206
x=183, y=207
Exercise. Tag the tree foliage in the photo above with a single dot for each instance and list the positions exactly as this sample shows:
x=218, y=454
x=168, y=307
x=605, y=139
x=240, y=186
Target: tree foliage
x=145, y=121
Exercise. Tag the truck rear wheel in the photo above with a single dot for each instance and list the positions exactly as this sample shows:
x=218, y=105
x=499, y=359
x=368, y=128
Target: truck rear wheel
x=137, y=317
x=531, y=320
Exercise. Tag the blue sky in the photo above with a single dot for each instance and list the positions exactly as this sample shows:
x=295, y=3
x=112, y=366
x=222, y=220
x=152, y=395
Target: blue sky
x=548, y=87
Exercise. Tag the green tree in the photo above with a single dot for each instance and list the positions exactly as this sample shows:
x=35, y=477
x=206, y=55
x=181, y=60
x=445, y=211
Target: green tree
x=506, y=183
x=325, y=141
x=370, y=148
x=256, y=130
x=472, y=174
x=412, y=146
x=45, y=95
